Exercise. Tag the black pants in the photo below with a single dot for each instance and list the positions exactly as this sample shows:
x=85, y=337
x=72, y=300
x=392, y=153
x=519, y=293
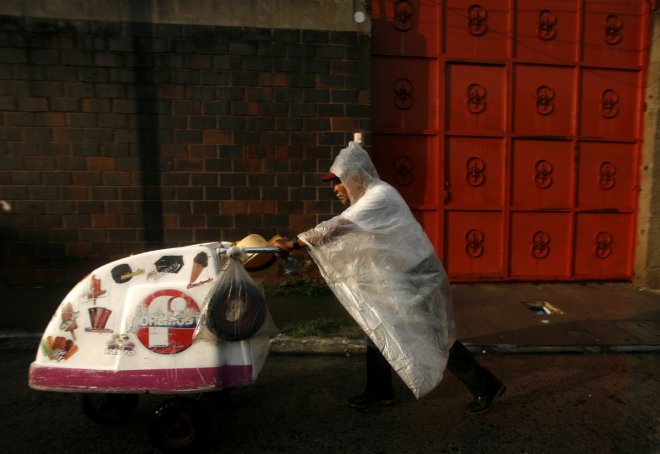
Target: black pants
x=461, y=363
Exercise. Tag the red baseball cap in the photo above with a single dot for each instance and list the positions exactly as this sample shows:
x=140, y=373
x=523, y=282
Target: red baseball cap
x=329, y=177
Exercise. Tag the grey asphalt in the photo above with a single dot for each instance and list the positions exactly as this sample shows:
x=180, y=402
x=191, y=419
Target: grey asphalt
x=490, y=318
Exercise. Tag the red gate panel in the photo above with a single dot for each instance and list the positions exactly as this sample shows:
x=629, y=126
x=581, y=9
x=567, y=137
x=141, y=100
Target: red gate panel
x=542, y=174
x=605, y=176
x=475, y=173
x=612, y=33
x=609, y=104
x=410, y=163
x=405, y=94
x=547, y=31
x=544, y=100
x=513, y=130
x=540, y=245
x=405, y=27
x=474, y=244
x=476, y=99
x=602, y=245
x=477, y=29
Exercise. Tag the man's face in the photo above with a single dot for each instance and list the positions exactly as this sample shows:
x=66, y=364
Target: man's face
x=341, y=192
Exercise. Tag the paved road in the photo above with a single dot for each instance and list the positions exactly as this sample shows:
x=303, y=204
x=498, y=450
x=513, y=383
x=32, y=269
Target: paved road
x=554, y=404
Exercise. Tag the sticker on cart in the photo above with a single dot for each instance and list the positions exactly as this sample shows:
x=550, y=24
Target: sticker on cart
x=95, y=290
x=200, y=262
x=120, y=344
x=58, y=348
x=166, y=321
x=168, y=264
x=123, y=273
x=69, y=317
x=98, y=318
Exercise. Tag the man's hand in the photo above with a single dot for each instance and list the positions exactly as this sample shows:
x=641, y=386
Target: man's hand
x=285, y=245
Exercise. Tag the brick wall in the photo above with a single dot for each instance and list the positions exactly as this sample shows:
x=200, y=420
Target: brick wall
x=120, y=137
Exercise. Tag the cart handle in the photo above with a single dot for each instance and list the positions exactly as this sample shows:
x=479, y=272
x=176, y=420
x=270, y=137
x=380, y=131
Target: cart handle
x=236, y=251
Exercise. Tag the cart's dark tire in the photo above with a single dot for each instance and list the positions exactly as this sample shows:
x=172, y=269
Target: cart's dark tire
x=109, y=408
x=235, y=314
x=179, y=426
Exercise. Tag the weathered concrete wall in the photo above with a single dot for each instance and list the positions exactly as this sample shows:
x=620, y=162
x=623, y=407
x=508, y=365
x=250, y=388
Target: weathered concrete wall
x=333, y=15
x=647, y=257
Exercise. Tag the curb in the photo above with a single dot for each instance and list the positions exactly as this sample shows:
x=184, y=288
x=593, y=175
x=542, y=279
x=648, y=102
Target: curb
x=317, y=345
x=339, y=345
x=281, y=344
x=508, y=349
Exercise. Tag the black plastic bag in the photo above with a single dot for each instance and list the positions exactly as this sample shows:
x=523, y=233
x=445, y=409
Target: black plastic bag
x=234, y=309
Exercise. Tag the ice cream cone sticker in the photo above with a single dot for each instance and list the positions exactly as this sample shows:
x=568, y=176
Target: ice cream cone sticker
x=200, y=262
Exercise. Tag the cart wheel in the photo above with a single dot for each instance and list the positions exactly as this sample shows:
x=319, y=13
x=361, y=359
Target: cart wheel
x=178, y=426
x=109, y=408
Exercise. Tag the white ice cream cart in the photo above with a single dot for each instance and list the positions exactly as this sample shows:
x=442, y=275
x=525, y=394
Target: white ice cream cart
x=158, y=322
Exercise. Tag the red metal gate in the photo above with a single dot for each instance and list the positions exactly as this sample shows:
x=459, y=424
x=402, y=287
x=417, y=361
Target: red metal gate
x=513, y=130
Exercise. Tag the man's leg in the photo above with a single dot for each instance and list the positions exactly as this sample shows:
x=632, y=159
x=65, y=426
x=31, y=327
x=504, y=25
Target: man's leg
x=379, y=372
x=483, y=385
x=379, y=390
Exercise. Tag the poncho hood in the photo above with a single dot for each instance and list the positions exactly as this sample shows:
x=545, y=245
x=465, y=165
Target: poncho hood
x=355, y=169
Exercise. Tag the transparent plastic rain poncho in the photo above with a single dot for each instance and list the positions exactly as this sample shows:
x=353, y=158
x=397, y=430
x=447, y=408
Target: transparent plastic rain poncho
x=381, y=266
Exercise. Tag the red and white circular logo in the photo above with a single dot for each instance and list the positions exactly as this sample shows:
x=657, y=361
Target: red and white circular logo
x=167, y=321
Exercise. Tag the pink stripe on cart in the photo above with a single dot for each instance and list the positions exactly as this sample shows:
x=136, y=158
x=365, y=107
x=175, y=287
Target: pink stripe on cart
x=158, y=381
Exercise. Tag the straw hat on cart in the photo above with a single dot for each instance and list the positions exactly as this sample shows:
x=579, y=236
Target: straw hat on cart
x=258, y=262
